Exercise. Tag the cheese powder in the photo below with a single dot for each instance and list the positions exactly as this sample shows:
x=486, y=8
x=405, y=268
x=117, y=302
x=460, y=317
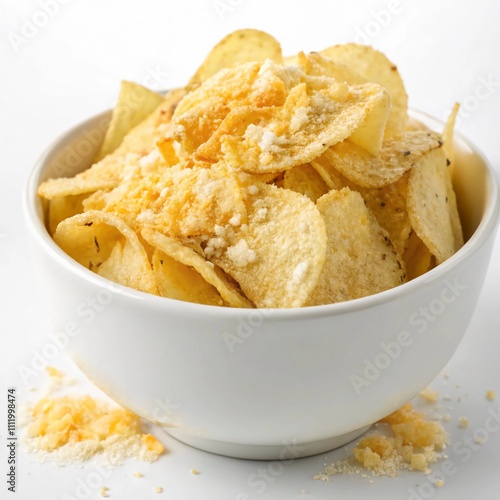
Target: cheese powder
x=74, y=428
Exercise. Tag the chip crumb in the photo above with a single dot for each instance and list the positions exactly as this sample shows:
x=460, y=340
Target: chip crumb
x=429, y=395
x=73, y=429
x=54, y=372
x=418, y=462
x=253, y=190
x=414, y=444
x=158, y=489
x=439, y=483
x=446, y=417
x=104, y=491
x=138, y=474
x=463, y=422
x=479, y=440
x=194, y=472
x=490, y=395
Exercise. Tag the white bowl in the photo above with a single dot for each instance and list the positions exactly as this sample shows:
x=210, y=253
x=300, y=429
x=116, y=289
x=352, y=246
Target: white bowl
x=265, y=384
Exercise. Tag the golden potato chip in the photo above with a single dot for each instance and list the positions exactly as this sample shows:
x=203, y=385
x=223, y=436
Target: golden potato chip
x=370, y=133
x=212, y=274
x=398, y=154
x=417, y=257
x=428, y=204
x=177, y=281
x=135, y=103
x=314, y=64
x=371, y=64
x=246, y=45
x=73, y=186
x=277, y=257
x=451, y=201
x=304, y=179
x=63, y=207
x=107, y=173
x=387, y=204
x=128, y=265
x=448, y=135
x=360, y=259
x=202, y=111
x=94, y=238
x=180, y=201
x=303, y=128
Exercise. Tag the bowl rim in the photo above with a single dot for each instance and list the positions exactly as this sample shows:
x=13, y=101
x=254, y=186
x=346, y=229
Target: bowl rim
x=37, y=228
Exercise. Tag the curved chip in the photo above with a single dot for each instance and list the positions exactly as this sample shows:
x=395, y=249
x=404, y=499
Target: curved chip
x=417, y=257
x=304, y=179
x=178, y=281
x=63, y=207
x=448, y=131
x=317, y=114
x=360, y=259
x=108, y=246
x=371, y=64
x=180, y=201
x=398, y=154
x=387, y=204
x=108, y=173
x=277, y=257
x=428, y=204
x=314, y=64
x=135, y=103
x=240, y=46
x=188, y=257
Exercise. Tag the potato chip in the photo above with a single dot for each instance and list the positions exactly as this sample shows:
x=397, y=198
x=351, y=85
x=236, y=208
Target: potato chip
x=63, y=207
x=303, y=128
x=107, y=173
x=417, y=257
x=314, y=64
x=246, y=45
x=428, y=204
x=451, y=201
x=360, y=259
x=371, y=64
x=180, y=201
x=212, y=274
x=128, y=265
x=305, y=180
x=278, y=256
x=202, y=111
x=448, y=135
x=93, y=238
x=398, y=154
x=448, y=132
x=177, y=281
x=370, y=133
x=135, y=103
x=387, y=204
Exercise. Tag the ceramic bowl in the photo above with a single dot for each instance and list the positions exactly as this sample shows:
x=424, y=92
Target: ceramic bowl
x=263, y=384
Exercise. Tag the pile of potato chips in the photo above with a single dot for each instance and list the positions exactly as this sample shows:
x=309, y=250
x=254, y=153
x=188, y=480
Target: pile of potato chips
x=265, y=182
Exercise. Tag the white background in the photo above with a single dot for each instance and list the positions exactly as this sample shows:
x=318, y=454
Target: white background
x=59, y=68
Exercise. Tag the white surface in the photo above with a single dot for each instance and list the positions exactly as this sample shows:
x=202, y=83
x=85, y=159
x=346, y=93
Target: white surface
x=71, y=68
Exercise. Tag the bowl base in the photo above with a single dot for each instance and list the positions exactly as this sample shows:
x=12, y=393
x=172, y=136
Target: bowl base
x=284, y=452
